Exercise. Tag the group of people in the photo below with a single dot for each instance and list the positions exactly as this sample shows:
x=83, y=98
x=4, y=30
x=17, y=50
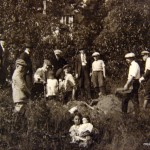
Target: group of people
x=56, y=76
x=134, y=80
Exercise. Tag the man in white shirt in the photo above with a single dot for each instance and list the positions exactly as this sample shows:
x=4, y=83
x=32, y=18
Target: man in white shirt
x=146, y=77
x=82, y=72
x=133, y=80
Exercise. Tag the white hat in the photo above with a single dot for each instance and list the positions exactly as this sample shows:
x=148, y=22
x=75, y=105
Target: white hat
x=144, y=52
x=73, y=109
x=129, y=55
x=57, y=52
x=95, y=54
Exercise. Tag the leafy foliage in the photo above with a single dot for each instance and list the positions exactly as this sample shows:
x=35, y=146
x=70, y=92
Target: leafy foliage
x=113, y=27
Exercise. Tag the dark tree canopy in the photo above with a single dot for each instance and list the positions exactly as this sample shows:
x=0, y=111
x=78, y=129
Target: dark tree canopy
x=113, y=27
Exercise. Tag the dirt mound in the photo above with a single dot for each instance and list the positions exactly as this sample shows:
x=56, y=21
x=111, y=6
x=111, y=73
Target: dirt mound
x=103, y=105
x=108, y=104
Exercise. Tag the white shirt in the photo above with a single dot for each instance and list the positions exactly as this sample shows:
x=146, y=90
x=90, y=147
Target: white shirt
x=98, y=65
x=134, y=70
x=83, y=59
x=147, y=64
x=85, y=127
x=52, y=87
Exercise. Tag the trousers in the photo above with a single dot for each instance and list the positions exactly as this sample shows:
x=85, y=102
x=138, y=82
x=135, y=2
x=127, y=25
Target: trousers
x=133, y=96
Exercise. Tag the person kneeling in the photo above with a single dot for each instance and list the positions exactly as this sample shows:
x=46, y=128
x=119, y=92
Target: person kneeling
x=40, y=79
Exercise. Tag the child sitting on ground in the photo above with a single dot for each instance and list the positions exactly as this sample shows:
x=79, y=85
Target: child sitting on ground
x=85, y=131
x=74, y=130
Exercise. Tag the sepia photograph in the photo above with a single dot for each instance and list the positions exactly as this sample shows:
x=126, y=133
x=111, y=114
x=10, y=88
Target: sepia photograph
x=75, y=75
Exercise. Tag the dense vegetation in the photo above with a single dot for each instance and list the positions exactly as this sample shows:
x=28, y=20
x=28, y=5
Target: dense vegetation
x=112, y=27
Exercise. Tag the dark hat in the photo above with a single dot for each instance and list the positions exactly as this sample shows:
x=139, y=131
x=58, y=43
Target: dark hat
x=21, y=62
x=47, y=62
x=82, y=49
x=66, y=66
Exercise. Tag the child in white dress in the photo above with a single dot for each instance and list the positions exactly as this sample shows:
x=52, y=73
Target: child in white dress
x=74, y=130
x=85, y=131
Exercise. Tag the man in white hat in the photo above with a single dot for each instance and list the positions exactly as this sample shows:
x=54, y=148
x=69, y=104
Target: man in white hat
x=146, y=77
x=133, y=80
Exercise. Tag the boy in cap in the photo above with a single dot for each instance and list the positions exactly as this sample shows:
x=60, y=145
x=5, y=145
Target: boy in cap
x=40, y=79
x=26, y=57
x=98, y=73
x=68, y=84
x=133, y=80
x=146, y=77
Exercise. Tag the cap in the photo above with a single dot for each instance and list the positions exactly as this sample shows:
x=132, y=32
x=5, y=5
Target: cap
x=21, y=62
x=129, y=55
x=144, y=52
x=73, y=109
x=47, y=62
x=95, y=54
x=57, y=52
x=66, y=66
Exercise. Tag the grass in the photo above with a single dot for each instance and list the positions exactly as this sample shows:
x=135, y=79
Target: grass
x=47, y=125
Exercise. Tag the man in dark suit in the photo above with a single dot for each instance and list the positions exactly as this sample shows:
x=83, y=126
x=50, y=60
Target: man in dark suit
x=2, y=62
x=82, y=73
x=26, y=57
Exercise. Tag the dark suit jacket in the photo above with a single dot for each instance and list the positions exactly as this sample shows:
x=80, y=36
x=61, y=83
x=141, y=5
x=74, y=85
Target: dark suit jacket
x=27, y=59
x=78, y=65
x=57, y=63
x=1, y=56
